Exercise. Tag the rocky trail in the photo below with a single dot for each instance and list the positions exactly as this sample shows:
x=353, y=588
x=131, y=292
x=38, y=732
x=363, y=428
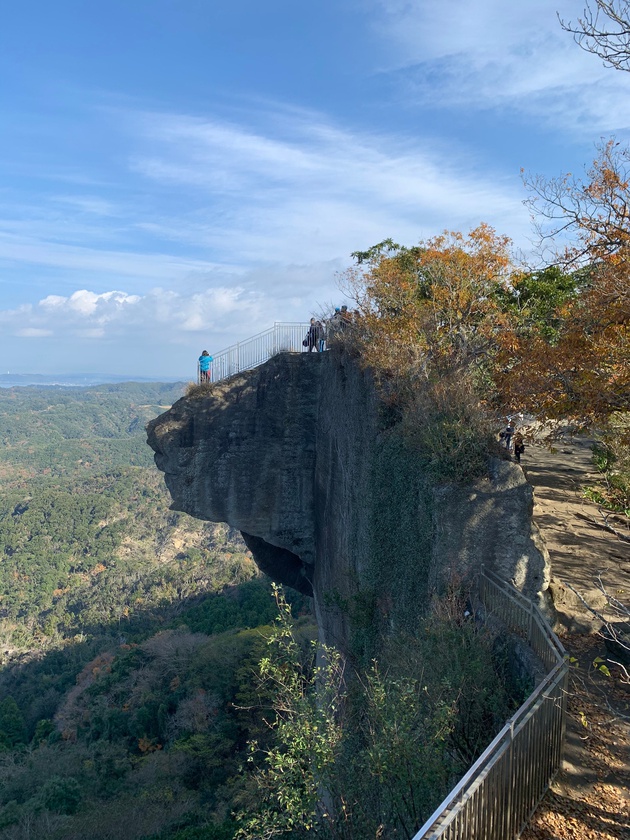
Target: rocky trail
x=590, y=798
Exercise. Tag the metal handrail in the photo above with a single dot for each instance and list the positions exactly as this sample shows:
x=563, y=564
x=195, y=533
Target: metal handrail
x=255, y=351
x=497, y=796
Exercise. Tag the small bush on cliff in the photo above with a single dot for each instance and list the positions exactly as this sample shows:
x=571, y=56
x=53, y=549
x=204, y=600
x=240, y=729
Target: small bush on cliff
x=288, y=780
x=197, y=389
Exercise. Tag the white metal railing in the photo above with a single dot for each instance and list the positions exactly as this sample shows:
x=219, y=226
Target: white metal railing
x=254, y=351
x=500, y=792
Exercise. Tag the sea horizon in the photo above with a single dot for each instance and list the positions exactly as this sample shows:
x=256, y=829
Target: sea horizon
x=78, y=380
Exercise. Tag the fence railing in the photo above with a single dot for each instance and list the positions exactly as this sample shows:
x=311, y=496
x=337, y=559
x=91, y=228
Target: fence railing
x=256, y=350
x=501, y=791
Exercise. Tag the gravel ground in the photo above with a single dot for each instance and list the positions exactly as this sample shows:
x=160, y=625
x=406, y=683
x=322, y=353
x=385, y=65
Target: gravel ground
x=590, y=797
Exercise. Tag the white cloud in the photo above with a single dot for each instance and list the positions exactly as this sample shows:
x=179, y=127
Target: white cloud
x=32, y=332
x=165, y=323
x=167, y=313
x=89, y=204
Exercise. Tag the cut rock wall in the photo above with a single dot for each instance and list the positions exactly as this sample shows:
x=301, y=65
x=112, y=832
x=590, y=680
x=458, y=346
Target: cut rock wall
x=285, y=454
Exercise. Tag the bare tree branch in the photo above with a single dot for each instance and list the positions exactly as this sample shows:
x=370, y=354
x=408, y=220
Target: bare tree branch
x=604, y=30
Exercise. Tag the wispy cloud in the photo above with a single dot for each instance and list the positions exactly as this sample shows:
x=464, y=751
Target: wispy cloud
x=315, y=191
x=89, y=204
x=102, y=261
x=215, y=196
x=493, y=54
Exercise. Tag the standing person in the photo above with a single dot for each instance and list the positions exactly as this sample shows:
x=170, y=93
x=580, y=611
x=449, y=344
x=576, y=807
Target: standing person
x=346, y=317
x=204, y=366
x=322, y=336
x=312, y=337
x=509, y=431
x=519, y=447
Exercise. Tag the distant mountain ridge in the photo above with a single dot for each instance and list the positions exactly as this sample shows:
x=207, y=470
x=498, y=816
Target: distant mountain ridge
x=76, y=380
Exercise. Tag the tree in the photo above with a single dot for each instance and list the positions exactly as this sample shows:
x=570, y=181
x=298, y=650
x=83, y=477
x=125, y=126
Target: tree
x=585, y=370
x=427, y=325
x=604, y=30
x=295, y=769
x=534, y=300
x=61, y=795
x=12, y=726
x=429, y=309
x=590, y=215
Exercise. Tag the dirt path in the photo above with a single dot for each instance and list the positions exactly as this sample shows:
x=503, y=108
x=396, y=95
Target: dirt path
x=590, y=798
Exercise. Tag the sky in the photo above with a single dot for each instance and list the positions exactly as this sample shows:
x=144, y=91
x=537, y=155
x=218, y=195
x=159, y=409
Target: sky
x=177, y=175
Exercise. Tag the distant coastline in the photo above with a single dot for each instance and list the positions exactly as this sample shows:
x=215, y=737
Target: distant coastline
x=76, y=380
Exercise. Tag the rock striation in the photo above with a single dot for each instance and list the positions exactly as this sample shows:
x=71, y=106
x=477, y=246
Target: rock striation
x=286, y=454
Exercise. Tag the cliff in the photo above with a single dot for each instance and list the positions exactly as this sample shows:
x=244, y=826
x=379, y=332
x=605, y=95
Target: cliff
x=293, y=455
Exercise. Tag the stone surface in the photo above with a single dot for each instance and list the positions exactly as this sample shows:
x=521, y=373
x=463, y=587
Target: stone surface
x=490, y=523
x=285, y=453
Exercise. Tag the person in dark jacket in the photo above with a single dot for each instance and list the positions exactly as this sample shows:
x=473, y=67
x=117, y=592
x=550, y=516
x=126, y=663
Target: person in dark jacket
x=519, y=447
x=312, y=336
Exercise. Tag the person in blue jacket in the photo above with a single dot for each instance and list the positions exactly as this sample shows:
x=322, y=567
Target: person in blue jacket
x=204, y=366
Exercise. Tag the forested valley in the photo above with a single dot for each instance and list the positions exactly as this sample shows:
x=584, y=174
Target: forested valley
x=129, y=633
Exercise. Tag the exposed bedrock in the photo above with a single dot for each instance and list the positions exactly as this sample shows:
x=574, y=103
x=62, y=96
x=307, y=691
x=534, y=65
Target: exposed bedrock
x=292, y=455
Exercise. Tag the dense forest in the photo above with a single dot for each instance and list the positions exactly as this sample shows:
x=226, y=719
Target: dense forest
x=126, y=629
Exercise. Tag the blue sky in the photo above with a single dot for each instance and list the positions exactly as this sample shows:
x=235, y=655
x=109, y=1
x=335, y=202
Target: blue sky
x=176, y=175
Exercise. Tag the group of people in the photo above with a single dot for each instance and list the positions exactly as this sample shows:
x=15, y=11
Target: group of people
x=512, y=440
x=320, y=331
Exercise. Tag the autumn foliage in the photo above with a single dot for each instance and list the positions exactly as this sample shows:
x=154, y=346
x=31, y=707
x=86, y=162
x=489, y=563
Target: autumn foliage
x=455, y=308
x=585, y=371
x=431, y=310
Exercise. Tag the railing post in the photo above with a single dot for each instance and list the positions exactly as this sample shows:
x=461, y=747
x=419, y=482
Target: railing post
x=510, y=786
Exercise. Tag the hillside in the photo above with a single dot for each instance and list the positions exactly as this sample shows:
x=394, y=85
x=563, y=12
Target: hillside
x=123, y=625
x=87, y=538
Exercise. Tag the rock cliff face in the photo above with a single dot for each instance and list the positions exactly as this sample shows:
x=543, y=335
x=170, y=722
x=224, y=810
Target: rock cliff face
x=286, y=453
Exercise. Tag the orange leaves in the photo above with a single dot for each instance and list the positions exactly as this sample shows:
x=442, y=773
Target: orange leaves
x=552, y=343
x=147, y=745
x=583, y=370
x=430, y=307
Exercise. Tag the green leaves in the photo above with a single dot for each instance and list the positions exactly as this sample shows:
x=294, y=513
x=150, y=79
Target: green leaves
x=600, y=665
x=305, y=699
x=12, y=726
x=372, y=753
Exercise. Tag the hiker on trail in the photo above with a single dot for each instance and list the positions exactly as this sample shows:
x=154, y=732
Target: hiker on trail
x=204, y=366
x=312, y=337
x=519, y=447
x=507, y=434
